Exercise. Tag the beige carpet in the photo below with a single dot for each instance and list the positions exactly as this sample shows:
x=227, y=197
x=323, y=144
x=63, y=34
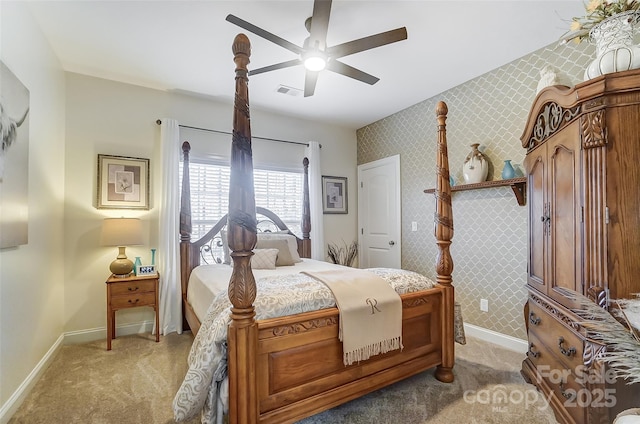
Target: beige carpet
x=136, y=382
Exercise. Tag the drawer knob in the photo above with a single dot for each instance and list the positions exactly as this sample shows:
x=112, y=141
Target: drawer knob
x=567, y=394
x=134, y=288
x=134, y=301
x=566, y=352
x=533, y=319
x=532, y=352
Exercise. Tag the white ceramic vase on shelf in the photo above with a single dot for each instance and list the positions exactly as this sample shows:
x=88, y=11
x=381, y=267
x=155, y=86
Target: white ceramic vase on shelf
x=615, y=50
x=476, y=166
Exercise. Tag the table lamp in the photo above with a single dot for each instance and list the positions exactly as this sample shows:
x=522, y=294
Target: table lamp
x=121, y=232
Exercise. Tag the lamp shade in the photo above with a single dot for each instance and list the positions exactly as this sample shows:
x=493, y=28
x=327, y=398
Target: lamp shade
x=121, y=232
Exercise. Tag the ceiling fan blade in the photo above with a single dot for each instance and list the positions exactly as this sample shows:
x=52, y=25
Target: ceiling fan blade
x=319, y=24
x=351, y=72
x=277, y=66
x=310, y=79
x=264, y=34
x=367, y=43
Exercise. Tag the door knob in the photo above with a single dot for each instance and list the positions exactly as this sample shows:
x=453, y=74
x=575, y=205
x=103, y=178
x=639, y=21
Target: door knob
x=391, y=243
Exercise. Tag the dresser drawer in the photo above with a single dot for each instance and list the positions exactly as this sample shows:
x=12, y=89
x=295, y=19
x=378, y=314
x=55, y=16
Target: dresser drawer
x=545, y=363
x=563, y=343
x=569, y=394
x=133, y=300
x=576, y=398
x=129, y=287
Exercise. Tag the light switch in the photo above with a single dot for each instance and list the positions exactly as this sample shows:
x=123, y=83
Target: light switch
x=414, y=226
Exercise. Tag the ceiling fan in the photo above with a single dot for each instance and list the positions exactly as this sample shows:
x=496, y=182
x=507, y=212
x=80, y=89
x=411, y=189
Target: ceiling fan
x=315, y=54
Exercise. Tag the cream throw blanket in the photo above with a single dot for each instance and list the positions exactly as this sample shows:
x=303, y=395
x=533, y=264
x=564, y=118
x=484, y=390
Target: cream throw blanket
x=370, y=312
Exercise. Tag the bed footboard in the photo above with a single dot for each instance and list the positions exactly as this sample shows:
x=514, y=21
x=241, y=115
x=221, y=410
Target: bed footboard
x=300, y=370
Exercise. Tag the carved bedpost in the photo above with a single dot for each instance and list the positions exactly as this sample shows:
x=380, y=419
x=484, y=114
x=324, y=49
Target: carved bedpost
x=186, y=261
x=306, y=212
x=243, y=330
x=443, y=231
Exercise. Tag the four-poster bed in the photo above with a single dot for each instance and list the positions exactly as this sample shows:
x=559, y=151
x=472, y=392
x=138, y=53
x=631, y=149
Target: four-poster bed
x=282, y=368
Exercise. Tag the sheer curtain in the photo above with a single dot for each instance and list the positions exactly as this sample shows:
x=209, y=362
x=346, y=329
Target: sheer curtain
x=315, y=201
x=168, y=252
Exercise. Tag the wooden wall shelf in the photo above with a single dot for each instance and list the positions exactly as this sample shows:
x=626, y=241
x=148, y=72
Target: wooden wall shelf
x=518, y=185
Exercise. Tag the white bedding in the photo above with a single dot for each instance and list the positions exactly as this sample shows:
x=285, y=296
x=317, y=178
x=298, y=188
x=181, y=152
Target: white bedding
x=207, y=281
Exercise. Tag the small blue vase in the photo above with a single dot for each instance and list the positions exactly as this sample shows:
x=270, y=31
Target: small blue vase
x=508, y=172
x=136, y=264
x=153, y=256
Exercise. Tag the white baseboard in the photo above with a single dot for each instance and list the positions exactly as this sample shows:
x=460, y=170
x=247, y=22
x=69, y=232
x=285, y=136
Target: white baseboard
x=503, y=340
x=13, y=403
x=72, y=337
x=100, y=333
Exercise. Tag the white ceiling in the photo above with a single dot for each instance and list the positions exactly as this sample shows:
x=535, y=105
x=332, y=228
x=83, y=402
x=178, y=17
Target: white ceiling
x=185, y=46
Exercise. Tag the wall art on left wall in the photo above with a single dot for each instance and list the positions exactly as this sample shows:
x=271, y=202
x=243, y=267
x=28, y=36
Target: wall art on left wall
x=14, y=159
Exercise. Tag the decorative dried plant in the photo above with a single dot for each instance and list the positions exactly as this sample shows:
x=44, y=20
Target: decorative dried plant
x=343, y=255
x=623, y=345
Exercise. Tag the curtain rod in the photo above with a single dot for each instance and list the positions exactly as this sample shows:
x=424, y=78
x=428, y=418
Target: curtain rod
x=159, y=121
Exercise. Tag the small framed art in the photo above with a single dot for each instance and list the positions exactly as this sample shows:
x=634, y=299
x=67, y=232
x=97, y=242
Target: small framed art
x=334, y=194
x=123, y=182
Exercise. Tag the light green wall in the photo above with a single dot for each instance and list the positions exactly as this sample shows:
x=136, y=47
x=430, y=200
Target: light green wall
x=489, y=246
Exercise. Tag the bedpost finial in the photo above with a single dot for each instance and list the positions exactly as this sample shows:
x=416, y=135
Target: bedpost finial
x=186, y=147
x=442, y=109
x=305, y=162
x=241, y=45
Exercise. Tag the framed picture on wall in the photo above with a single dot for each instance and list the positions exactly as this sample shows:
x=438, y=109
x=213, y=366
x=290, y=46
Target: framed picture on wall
x=123, y=182
x=334, y=194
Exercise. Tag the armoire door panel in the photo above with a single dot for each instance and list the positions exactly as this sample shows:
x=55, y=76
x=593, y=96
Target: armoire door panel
x=565, y=264
x=623, y=201
x=535, y=165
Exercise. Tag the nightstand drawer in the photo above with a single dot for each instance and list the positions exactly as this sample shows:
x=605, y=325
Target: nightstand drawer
x=132, y=287
x=133, y=300
x=559, y=340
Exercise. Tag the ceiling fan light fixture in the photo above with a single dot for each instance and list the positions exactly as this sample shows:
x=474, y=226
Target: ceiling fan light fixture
x=314, y=61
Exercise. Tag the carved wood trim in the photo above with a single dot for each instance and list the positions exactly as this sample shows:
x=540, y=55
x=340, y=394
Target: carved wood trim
x=590, y=355
x=552, y=118
x=301, y=327
x=412, y=303
x=598, y=295
x=594, y=162
x=556, y=312
x=594, y=132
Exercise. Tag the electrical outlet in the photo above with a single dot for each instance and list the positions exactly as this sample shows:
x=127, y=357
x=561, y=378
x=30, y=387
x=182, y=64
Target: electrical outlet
x=484, y=305
x=414, y=226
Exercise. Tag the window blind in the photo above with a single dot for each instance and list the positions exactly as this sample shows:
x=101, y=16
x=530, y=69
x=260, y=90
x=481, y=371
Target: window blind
x=277, y=190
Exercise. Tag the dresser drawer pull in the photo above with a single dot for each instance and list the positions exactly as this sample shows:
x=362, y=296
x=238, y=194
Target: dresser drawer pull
x=531, y=352
x=567, y=394
x=566, y=352
x=134, y=288
x=533, y=319
x=134, y=301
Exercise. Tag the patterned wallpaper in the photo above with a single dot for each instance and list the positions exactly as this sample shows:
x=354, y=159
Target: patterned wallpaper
x=489, y=245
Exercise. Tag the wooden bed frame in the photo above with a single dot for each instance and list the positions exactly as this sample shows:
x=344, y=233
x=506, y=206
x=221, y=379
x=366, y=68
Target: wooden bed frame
x=284, y=369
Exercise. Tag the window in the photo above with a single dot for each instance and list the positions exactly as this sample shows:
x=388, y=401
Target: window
x=276, y=190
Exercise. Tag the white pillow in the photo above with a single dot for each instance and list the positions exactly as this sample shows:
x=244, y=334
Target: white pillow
x=284, y=256
x=264, y=258
x=291, y=240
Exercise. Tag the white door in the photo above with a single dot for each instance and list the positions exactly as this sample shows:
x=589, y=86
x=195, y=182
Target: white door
x=379, y=213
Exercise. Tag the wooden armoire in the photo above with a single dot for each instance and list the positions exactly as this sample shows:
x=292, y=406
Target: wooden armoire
x=583, y=197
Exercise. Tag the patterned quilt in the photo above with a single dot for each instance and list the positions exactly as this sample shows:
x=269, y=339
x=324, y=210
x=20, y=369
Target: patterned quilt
x=205, y=386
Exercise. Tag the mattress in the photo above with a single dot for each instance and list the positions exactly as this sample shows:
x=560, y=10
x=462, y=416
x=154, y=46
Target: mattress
x=206, y=281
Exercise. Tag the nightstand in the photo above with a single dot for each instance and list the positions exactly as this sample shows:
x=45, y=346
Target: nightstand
x=131, y=292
